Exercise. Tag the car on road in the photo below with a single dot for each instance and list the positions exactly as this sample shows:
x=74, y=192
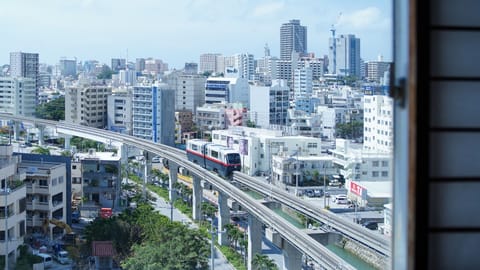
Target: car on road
x=372, y=225
x=340, y=197
x=309, y=193
x=318, y=193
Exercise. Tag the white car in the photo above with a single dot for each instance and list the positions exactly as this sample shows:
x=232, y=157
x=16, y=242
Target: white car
x=340, y=197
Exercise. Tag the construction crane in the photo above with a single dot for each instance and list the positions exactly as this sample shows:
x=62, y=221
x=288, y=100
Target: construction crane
x=334, y=45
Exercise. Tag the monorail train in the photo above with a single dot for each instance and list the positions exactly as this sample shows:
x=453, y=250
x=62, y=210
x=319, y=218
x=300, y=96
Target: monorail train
x=218, y=158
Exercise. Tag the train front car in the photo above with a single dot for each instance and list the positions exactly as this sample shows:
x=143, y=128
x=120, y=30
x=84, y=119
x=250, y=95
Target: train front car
x=233, y=161
x=222, y=160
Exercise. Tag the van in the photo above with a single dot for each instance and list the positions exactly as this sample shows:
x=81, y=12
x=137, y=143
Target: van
x=47, y=260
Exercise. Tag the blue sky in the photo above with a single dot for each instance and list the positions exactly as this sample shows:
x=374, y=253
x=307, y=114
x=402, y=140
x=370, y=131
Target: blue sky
x=178, y=31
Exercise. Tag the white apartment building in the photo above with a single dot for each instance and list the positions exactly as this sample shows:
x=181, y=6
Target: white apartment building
x=378, y=123
x=245, y=63
x=210, y=116
x=153, y=113
x=269, y=104
x=127, y=77
x=331, y=116
x=302, y=83
x=305, y=125
x=356, y=164
x=13, y=199
x=227, y=90
x=86, y=104
x=119, y=111
x=263, y=143
x=25, y=65
x=18, y=96
x=295, y=171
x=46, y=196
x=375, y=70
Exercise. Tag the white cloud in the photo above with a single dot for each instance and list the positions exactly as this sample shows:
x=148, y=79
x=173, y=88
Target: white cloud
x=267, y=9
x=367, y=18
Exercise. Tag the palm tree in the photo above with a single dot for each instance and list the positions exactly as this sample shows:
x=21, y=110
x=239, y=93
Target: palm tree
x=263, y=262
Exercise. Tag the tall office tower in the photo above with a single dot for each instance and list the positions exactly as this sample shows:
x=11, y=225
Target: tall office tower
x=347, y=55
x=87, y=105
x=140, y=65
x=17, y=96
x=25, y=65
x=293, y=38
x=118, y=64
x=208, y=62
x=153, y=113
x=68, y=67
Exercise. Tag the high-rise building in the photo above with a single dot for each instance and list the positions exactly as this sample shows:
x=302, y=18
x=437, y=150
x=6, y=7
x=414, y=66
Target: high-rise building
x=378, y=123
x=25, y=65
x=302, y=82
x=140, y=65
x=153, y=113
x=68, y=67
x=119, y=111
x=18, y=96
x=347, y=56
x=375, y=70
x=293, y=38
x=245, y=63
x=118, y=64
x=87, y=105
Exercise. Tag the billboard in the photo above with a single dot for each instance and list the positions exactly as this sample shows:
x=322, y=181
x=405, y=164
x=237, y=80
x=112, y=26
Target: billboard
x=358, y=190
x=243, y=146
x=229, y=141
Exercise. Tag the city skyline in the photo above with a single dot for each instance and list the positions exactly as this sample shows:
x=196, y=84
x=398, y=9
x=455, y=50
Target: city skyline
x=180, y=31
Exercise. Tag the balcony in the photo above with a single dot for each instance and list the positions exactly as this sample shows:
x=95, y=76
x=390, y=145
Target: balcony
x=36, y=205
x=35, y=221
x=37, y=189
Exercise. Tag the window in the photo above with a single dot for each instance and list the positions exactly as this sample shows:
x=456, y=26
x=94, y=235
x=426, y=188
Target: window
x=375, y=163
x=375, y=174
x=384, y=173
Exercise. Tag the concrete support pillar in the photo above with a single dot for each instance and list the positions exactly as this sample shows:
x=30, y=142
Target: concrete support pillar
x=292, y=258
x=223, y=218
x=173, y=180
x=197, y=198
x=41, y=133
x=16, y=130
x=67, y=141
x=254, y=239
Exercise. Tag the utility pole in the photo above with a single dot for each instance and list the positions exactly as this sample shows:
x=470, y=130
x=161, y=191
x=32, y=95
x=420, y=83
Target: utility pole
x=324, y=185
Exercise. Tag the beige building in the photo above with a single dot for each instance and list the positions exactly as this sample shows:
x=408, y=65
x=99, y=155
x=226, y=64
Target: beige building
x=86, y=105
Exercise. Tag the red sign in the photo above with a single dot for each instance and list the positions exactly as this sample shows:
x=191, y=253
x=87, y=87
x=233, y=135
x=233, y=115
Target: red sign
x=356, y=189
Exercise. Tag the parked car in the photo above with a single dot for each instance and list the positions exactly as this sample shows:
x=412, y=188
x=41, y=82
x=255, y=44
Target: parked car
x=318, y=193
x=309, y=193
x=340, y=197
x=372, y=225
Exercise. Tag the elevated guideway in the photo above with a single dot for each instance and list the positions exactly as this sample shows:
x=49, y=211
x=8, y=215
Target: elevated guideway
x=353, y=231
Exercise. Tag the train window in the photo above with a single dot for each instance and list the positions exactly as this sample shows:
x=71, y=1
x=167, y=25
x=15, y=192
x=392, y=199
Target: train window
x=214, y=154
x=194, y=147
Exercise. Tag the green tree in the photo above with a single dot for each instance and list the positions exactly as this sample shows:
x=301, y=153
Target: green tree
x=263, y=262
x=350, y=130
x=41, y=150
x=251, y=124
x=53, y=110
x=106, y=73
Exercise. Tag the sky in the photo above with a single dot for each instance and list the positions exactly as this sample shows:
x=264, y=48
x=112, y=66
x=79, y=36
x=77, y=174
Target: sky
x=178, y=31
